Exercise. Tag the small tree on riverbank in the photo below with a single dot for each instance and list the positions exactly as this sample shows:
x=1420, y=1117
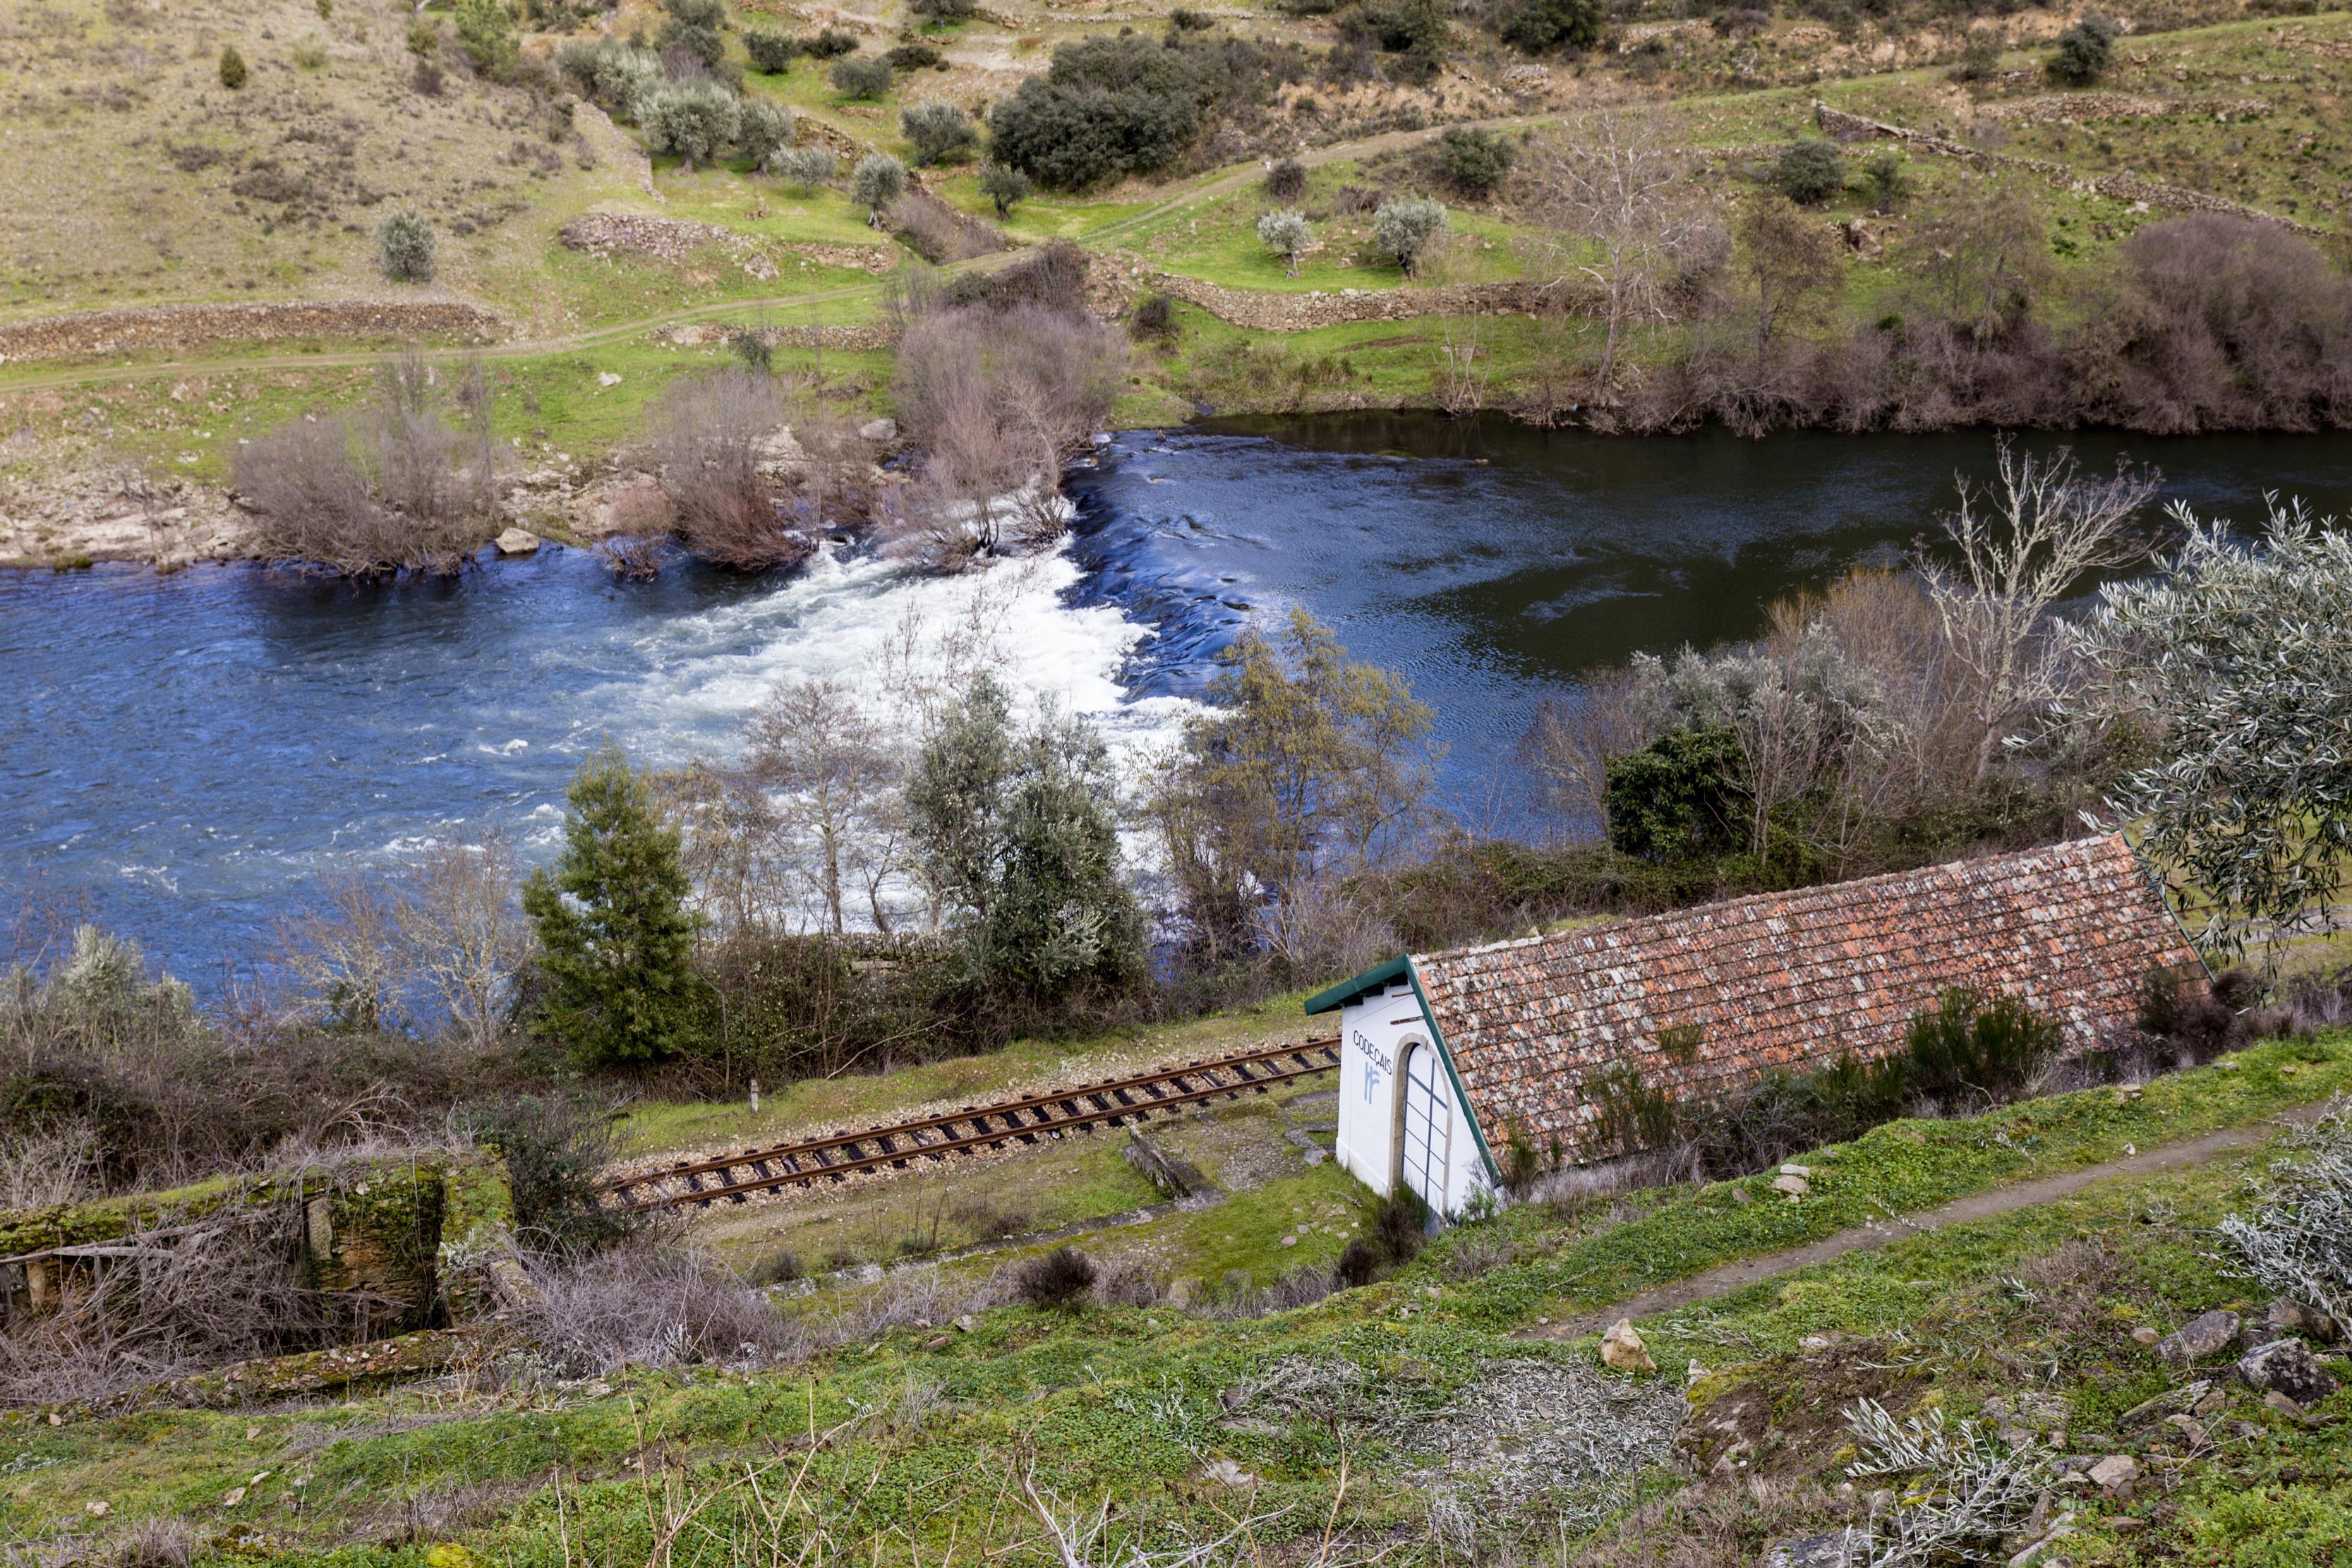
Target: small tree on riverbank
x=614, y=933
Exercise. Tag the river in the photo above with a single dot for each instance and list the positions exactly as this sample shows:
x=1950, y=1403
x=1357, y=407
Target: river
x=185, y=754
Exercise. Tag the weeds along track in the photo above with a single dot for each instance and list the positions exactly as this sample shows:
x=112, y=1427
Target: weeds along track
x=974, y=1130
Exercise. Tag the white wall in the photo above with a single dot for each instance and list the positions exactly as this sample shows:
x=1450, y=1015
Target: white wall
x=1375, y=1033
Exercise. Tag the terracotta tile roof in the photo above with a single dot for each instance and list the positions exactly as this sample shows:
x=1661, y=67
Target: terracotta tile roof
x=1795, y=979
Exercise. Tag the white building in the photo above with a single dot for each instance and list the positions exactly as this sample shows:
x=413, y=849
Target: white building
x=1446, y=1056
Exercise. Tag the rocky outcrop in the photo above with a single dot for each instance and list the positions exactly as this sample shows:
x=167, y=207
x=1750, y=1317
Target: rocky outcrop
x=173, y=329
x=2122, y=185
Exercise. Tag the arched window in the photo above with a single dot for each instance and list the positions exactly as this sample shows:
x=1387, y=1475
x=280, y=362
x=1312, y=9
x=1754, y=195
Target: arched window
x=1426, y=1148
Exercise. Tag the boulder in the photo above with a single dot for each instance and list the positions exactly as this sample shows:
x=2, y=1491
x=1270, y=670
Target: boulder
x=1622, y=1350
x=1795, y=1186
x=878, y=430
x=2288, y=1367
x=2287, y=1316
x=2113, y=1476
x=516, y=541
x=2199, y=1337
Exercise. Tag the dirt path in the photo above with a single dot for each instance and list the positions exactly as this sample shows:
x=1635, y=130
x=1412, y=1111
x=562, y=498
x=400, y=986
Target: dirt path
x=1870, y=1236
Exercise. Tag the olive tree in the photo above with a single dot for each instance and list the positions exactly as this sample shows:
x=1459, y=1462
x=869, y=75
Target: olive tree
x=877, y=182
x=1287, y=234
x=1004, y=185
x=695, y=120
x=765, y=129
x=939, y=133
x=1402, y=229
x=2234, y=656
x=404, y=245
x=807, y=167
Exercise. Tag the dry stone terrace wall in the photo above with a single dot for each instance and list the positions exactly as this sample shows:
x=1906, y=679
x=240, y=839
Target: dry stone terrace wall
x=2122, y=185
x=1271, y=312
x=173, y=329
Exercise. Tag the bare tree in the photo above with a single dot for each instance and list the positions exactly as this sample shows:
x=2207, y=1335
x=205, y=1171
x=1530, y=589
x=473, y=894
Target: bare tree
x=466, y=941
x=711, y=442
x=1617, y=186
x=1982, y=255
x=833, y=777
x=1792, y=262
x=345, y=951
x=2023, y=543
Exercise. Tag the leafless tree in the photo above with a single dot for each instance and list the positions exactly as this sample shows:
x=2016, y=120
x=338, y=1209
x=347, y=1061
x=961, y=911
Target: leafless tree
x=464, y=936
x=2022, y=545
x=831, y=774
x=1461, y=346
x=1792, y=264
x=1617, y=186
x=711, y=440
x=1982, y=256
x=346, y=951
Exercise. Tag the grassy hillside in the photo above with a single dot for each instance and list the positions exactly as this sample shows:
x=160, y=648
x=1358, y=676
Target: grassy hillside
x=1417, y=1418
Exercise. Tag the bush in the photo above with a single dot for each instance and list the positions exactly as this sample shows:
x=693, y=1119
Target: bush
x=1059, y=1281
x=555, y=1148
x=1682, y=798
x=427, y=79
x=1400, y=1227
x=1359, y=1266
x=1473, y=162
x=1968, y=1047
x=486, y=32
x=829, y=44
x=232, y=68
x=1979, y=55
x=807, y=167
x=703, y=43
x=763, y=129
x=940, y=133
x=1154, y=316
x=1402, y=27
x=1541, y=24
x=310, y=52
x=1005, y=186
x=404, y=245
x=1108, y=105
x=710, y=437
x=943, y=10
x=1287, y=234
x=1887, y=179
x=771, y=52
x=1402, y=229
x=877, y=182
x=1286, y=181
x=1809, y=172
x=914, y=58
x=781, y=1267
x=861, y=77
x=2084, y=51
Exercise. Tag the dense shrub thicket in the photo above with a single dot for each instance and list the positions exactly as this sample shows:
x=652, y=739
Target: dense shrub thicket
x=1127, y=104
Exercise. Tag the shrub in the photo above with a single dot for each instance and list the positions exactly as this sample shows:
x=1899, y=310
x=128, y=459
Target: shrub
x=770, y=51
x=1473, y=162
x=877, y=182
x=1359, y=1266
x=1400, y=1227
x=311, y=53
x=861, y=77
x=1540, y=24
x=1887, y=179
x=1287, y=234
x=1402, y=229
x=1967, y=1046
x=2298, y=1243
x=829, y=44
x=232, y=68
x=807, y=167
x=654, y=1304
x=1402, y=27
x=1286, y=181
x=940, y=133
x=554, y=1148
x=1004, y=185
x=2084, y=51
x=1979, y=55
x=1681, y=797
x=1059, y=1281
x=763, y=129
x=710, y=437
x=486, y=32
x=943, y=10
x=914, y=58
x=781, y=1267
x=1809, y=172
x=693, y=119
x=1107, y=105
x=1154, y=316
x=404, y=245
x=427, y=79
x=615, y=935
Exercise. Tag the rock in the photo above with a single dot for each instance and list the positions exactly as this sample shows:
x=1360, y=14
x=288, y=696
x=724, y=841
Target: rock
x=98, y=1509
x=1796, y=1171
x=1742, y=1195
x=2279, y=1402
x=940, y=1343
x=607, y=378
x=1622, y=1350
x=1227, y=1473
x=1795, y=1186
x=2170, y=1403
x=1289, y=1241
x=2199, y=1338
x=2288, y=1367
x=966, y=1323
x=516, y=541
x=2190, y=1428
x=2113, y=1476
x=1848, y=1548
x=2144, y=1335
x=2287, y=1316
x=878, y=430
x=231, y=1497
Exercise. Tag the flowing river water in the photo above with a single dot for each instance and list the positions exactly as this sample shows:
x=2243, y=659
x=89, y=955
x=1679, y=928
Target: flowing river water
x=182, y=757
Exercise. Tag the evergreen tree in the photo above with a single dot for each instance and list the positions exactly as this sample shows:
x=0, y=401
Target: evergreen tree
x=613, y=928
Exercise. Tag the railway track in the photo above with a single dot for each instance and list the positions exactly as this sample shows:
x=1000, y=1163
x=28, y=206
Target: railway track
x=1080, y=1108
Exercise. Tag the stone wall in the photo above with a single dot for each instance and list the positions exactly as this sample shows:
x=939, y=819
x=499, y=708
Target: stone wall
x=173, y=329
x=1273, y=312
x=2122, y=186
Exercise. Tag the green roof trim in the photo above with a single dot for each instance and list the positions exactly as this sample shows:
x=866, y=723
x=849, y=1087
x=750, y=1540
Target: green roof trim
x=1371, y=980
